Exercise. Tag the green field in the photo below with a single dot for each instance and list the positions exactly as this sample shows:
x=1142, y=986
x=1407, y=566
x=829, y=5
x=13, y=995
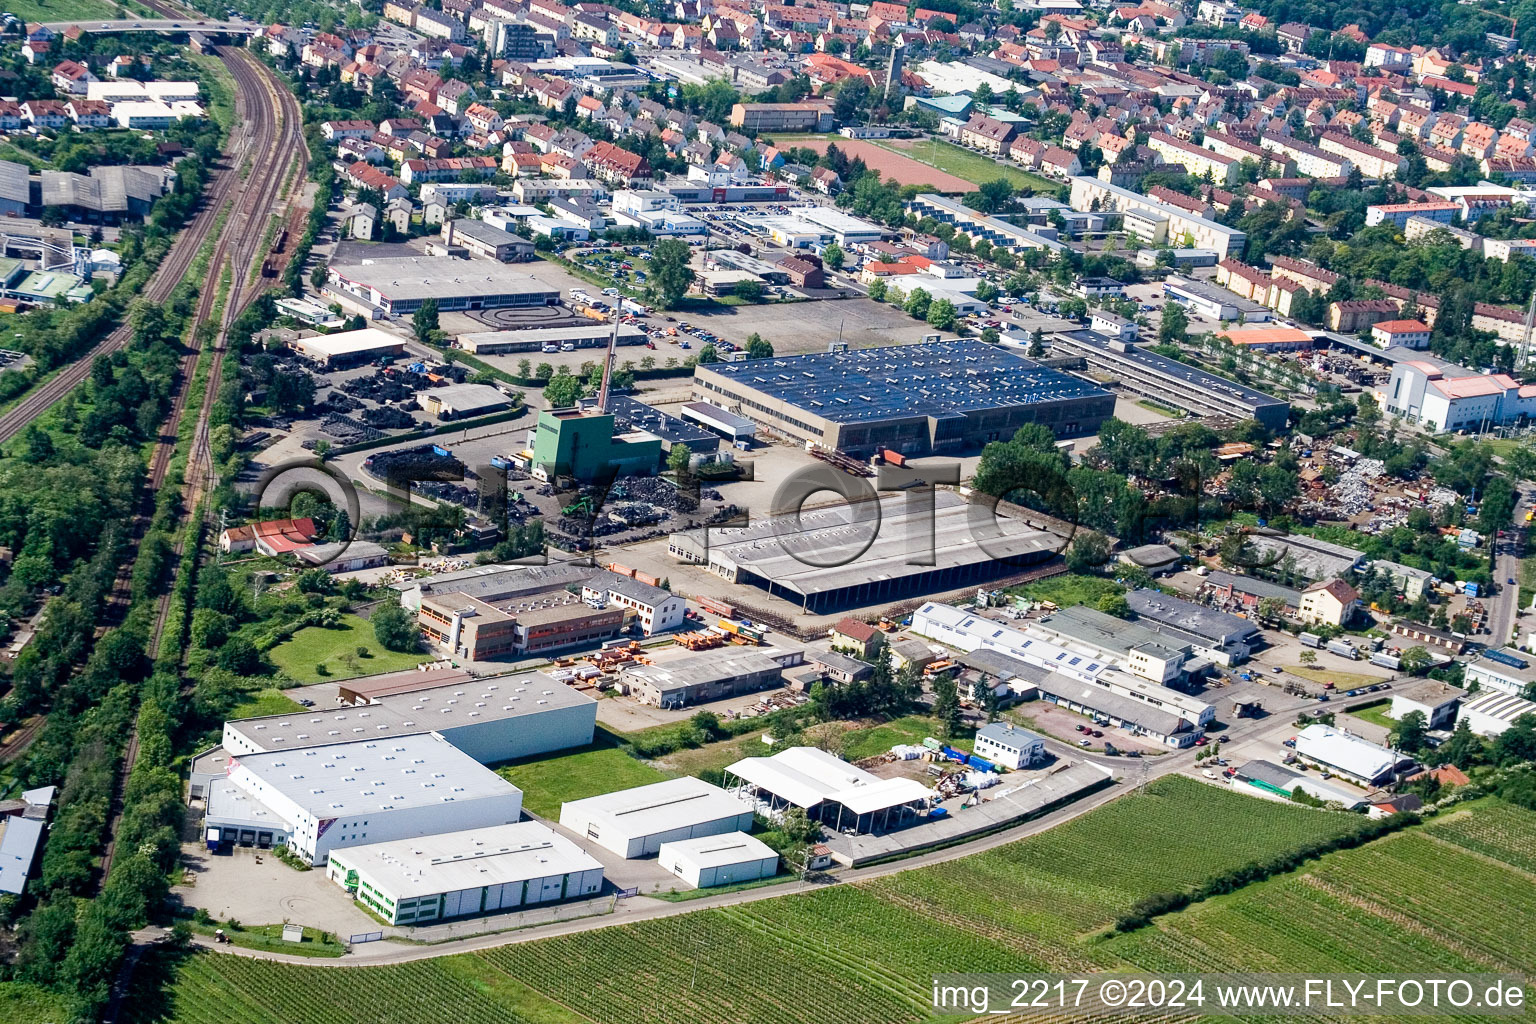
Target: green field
x=1376, y=714
x=976, y=168
x=23, y=1004
x=62, y=10
x=877, y=739
x=316, y=645
x=1068, y=589
x=548, y=782
x=1435, y=897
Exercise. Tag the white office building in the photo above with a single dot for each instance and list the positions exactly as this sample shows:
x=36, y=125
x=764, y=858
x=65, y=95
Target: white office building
x=1004, y=744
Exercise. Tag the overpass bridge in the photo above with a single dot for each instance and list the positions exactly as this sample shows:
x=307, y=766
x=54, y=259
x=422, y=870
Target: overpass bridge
x=160, y=25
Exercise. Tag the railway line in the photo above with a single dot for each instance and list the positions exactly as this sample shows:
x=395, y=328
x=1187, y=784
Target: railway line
x=273, y=139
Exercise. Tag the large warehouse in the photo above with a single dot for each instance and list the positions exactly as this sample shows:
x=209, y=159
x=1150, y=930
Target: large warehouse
x=635, y=822
x=830, y=790
x=593, y=335
x=491, y=720
x=463, y=874
x=1349, y=756
x=713, y=675
x=397, y=286
x=349, y=348
x=319, y=799
x=1170, y=381
x=813, y=560
x=914, y=399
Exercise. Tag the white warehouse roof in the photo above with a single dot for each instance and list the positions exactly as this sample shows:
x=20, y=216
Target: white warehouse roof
x=346, y=343
x=659, y=807
x=1345, y=751
x=451, y=861
x=375, y=775
x=719, y=851
x=807, y=776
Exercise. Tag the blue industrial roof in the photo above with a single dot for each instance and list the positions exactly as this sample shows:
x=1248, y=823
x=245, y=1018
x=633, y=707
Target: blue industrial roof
x=937, y=379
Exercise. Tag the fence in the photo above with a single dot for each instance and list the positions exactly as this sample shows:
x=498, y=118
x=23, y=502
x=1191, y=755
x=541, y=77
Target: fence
x=517, y=920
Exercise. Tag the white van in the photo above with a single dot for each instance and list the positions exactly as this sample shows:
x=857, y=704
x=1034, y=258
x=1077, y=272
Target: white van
x=549, y=347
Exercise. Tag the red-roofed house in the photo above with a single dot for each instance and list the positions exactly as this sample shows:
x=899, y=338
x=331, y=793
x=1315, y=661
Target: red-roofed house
x=1408, y=333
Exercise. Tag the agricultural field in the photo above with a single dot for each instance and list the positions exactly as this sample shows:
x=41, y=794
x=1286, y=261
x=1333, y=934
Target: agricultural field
x=314, y=647
x=548, y=782
x=1503, y=832
x=26, y=1004
x=63, y=10
x=1405, y=904
x=853, y=953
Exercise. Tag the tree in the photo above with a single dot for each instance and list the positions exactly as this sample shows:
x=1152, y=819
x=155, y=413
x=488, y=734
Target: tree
x=917, y=304
x=1411, y=732
x=562, y=391
x=1116, y=605
x=1464, y=749
x=394, y=628
x=424, y=322
x=946, y=705
x=992, y=196
x=1037, y=344
x=1308, y=657
x=1414, y=661
x=833, y=256
x=877, y=289
x=757, y=348
x=1089, y=550
x=670, y=273
x=942, y=314
x=1174, y=327
x=748, y=291
x=677, y=459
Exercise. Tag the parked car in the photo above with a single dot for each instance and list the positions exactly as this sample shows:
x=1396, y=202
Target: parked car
x=1082, y=728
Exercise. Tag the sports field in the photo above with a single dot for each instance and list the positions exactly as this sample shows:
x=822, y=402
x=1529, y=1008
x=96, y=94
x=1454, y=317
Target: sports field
x=1449, y=896
x=893, y=166
x=965, y=164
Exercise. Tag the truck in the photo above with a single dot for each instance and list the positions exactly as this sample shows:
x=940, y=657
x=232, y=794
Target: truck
x=214, y=837
x=438, y=449
x=1385, y=660
x=1343, y=649
x=500, y=462
x=1310, y=640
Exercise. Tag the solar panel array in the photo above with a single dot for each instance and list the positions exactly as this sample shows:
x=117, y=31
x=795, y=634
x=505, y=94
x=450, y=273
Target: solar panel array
x=943, y=378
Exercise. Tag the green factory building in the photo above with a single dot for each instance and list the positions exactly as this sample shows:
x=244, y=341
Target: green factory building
x=582, y=445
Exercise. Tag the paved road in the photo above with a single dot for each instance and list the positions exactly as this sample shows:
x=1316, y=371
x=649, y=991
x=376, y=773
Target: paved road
x=157, y=25
x=1504, y=607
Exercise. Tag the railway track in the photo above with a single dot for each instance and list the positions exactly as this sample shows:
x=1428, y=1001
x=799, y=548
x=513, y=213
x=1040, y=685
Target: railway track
x=274, y=141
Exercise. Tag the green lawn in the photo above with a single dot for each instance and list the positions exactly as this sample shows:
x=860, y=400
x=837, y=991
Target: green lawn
x=602, y=767
x=877, y=739
x=270, y=936
x=27, y=1004
x=314, y=646
x=976, y=168
x=1069, y=589
x=261, y=703
x=1376, y=714
x=1341, y=680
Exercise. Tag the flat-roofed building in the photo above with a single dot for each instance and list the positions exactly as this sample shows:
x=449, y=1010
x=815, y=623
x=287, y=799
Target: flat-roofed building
x=1171, y=381
x=594, y=335
x=1222, y=638
x=1435, y=700
x=492, y=870
x=492, y=720
x=914, y=399
x=397, y=286
x=319, y=799
x=468, y=627
x=1005, y=744
x=726, y=859
x=1503, y=669
x=487, y=241
x=456, y=401
x=349, y=348
x=700, y=678
x=783, y=554
x=979, y=227
x=636, y=822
